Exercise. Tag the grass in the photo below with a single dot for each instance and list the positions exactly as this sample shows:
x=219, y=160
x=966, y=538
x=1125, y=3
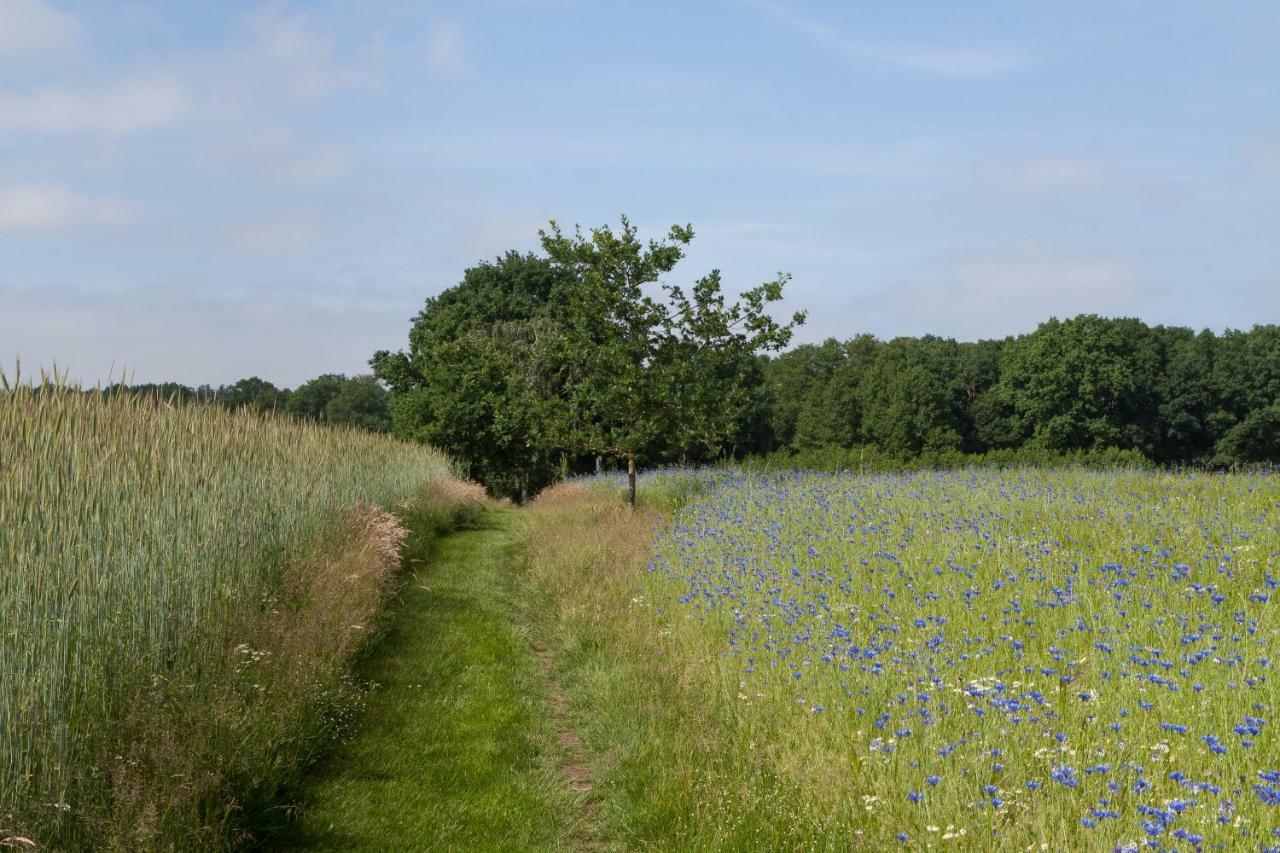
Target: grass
x=179, y=601
x=456, y=747
x=970, y=659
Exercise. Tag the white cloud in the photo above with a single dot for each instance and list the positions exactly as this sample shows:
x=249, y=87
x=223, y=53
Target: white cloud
x=446, y=46
x=1061, y=176
x=278, y=156
x=32, y=27
x=54, y=207
x=922, y=59
x=284, y=233
x=998, y=292
x=125, y=108
x=1053, y=174
x=291, y=53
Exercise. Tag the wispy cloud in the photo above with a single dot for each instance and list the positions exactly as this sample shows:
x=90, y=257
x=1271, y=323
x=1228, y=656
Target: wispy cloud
x=446, y=46
x=1013, y=288
x=123, y=108
x=1065, y=176
x=285, y=233
x=932, y=60
x=295, y=55
x=56, y=207
x=33, y=27
x=281, y=156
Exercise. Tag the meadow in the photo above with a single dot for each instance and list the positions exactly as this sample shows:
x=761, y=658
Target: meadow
x=1022, y=659
x=182, y=590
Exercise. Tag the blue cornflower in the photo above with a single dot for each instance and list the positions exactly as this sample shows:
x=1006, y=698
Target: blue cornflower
x=933, y=780
x=1065, y=775
x=915, y=796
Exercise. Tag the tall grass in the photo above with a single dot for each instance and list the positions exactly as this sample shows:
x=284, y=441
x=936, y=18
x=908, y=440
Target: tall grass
x=143, y=546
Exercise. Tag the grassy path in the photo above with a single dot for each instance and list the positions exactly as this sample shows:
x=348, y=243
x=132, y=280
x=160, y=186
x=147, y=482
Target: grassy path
x=459, y=746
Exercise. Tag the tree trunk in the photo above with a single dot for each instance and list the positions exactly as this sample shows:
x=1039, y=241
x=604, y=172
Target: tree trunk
x=631, y=480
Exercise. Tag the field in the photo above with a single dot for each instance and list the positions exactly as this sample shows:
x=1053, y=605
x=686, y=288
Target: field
x=1025, y=659
x=973, y=659
x=182, y=587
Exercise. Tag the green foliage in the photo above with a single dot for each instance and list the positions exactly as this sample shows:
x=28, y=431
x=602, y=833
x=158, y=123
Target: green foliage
x=309, y=399
x=254, y=394
x=1078, y=386
x=1254, y=439
x=1085, y=383
x=534, y=361
x=870, y=458
x=360, y=402
x=472, y=380
x=640, y=371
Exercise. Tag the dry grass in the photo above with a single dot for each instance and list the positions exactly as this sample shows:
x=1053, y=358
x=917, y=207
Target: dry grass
x=289, y=666
x=584, y=549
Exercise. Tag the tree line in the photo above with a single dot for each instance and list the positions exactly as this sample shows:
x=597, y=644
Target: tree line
x=334, y=398
x=1171, y=394
x=540, y=364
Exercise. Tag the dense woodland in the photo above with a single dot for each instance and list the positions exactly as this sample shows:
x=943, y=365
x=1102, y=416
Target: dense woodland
x=536, y=366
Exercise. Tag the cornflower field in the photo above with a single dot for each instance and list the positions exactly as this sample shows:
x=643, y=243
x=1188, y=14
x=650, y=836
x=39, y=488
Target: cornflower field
x=982, y=659
x=143, y=548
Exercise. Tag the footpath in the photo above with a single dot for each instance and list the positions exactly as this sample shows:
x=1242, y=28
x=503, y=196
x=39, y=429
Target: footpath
x=462, y=742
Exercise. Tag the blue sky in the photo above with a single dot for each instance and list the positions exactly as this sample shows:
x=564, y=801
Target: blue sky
x=206, y=190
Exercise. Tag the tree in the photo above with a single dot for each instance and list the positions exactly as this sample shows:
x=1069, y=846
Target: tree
x=1246, y=379
x=911, y=397
x=471, y=381
x=831, y=414
x=987, y=419
x=1254, y=439
x=1085, y=383
x=309, y=399
x=790, y=380
x=361, y=401
x=253, y=393
x=632, y=368
x=1186, y=395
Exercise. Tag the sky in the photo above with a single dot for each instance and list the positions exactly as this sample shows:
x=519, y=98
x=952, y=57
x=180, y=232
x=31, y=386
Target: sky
x=202, y=191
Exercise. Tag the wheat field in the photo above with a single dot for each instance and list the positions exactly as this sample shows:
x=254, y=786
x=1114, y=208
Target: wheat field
x=136, y=539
